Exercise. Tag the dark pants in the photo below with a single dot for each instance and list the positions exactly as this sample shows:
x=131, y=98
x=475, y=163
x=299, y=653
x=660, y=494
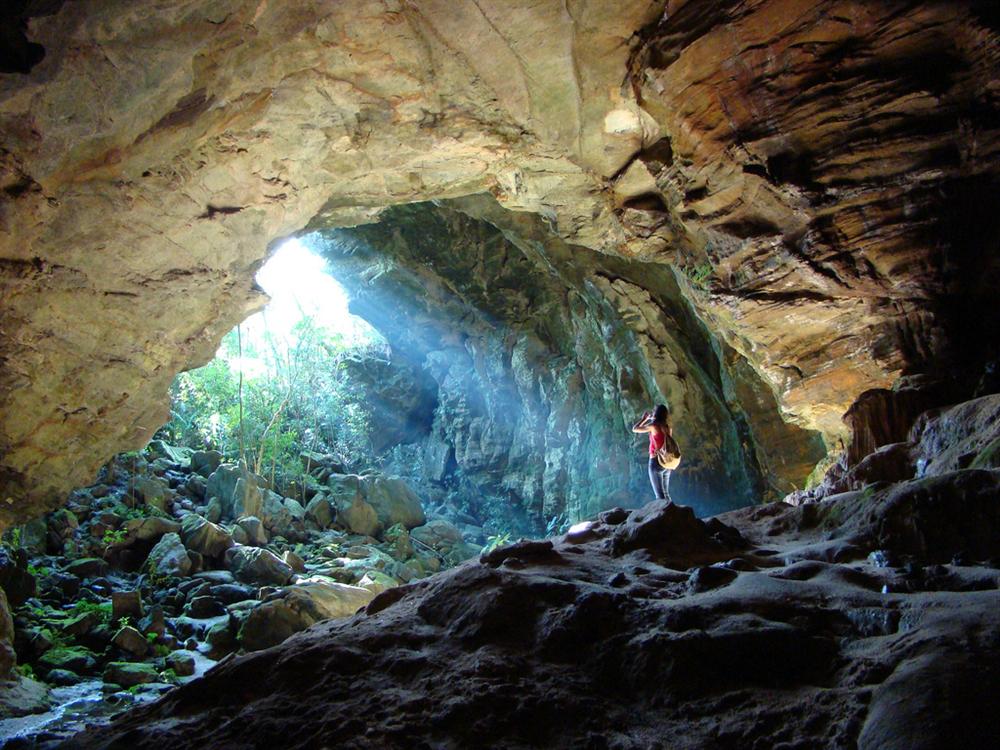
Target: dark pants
x=659, y=478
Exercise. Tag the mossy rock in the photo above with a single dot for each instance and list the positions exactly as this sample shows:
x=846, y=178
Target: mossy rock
x=128, y=674
x=989, y=457
x=73, y=658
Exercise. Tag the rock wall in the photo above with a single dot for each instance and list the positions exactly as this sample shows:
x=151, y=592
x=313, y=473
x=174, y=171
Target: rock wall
x=827, y=171
x=835, y=165
x=542, y=354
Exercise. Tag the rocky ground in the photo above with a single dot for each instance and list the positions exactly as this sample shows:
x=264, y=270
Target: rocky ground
x=175, y=560
x=865, y=618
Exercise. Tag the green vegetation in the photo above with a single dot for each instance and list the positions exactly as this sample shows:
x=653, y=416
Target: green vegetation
x=495, y=541
x=268, y=401
x=103, y=610
x=699, y=275
x=38, y=571
x=112, y=537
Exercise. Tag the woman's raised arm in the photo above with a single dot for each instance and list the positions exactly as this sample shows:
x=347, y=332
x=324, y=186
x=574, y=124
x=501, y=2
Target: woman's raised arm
x=643, y=424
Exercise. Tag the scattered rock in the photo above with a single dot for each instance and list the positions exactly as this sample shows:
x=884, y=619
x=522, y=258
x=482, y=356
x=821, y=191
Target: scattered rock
x=169, y=557
x=204, y=537
x=205, y=462
x=256, y=565
x=132, y=641
x=181, y=662
x=126, y=604
x=128, y=674
x=295, y=608
x=87, y=567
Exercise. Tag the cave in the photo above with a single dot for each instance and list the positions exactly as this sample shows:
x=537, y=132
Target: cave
x=776, y=217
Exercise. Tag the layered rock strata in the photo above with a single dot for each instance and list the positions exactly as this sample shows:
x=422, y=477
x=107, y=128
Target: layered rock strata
x=826, y=173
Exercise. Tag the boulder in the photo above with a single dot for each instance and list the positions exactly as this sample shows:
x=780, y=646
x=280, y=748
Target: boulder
x=294, y=507
x=399, y=540
x=154, y=622
x=33, y=536
x=154, y=492
x=7, y=658
x=129, y=675
x=169, y=557
x=276, y=516
x=61, y=524
x=239, y=535
x=126, y=604
x=294, y=561
x=15, y=579
x=201, y=607
x=357, y=516
x=213, y=510
x=394, y=502
x=256, y=565
x=438, y=534
x=182, y=662
x=320, y=512
x=230, y=593
x=204, y=537
x=205, y=462
x=237, y=490
x=295, y=608
x=87, y=567
x=175, y=454
x=376, y=581
x=130, y=640
x=74, y=658
x=150, y=529
x=221, y=484
x=62, y=678
x=21, y=696
x=256, y=534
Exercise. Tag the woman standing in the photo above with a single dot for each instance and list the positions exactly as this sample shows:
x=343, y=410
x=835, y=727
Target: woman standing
x=657, y=425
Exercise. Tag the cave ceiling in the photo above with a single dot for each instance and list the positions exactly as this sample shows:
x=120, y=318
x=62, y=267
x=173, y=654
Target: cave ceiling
x=824, y=174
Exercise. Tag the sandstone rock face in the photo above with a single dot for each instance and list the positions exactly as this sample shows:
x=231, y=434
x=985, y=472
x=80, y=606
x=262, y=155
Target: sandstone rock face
x=793, y=156
x=810, y=155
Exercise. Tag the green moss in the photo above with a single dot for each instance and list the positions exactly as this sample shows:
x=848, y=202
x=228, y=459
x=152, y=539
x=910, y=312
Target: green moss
x=989, y=457
x=103, y=610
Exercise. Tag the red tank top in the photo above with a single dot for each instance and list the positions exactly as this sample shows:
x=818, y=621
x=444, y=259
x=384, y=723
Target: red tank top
x=655, y=442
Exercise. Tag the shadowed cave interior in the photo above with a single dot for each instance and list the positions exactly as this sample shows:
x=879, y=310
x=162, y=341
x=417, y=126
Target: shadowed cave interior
x=428, y=522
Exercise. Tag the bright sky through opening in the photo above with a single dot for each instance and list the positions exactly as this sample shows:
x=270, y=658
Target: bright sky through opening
x=299, y=285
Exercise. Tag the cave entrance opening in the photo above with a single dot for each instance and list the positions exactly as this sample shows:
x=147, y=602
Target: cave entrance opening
x=277, y=394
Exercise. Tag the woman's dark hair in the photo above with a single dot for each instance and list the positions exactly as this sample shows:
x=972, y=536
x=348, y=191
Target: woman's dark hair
x=660, y=415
